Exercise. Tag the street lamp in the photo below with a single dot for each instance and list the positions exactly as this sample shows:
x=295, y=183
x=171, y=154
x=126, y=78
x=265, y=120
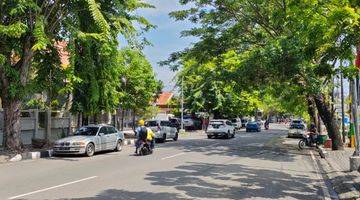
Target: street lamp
x=182, y=104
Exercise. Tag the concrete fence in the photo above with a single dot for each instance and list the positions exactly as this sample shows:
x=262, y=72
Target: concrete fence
x=42, y=124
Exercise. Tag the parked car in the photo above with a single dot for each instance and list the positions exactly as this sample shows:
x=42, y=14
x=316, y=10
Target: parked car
x=253, y=126
x=244, y=122
x=237, y=123
x=220, y=127
x=176, y=122
x=297, y=129
x=163, y=129
x=191, y=123
x=90, y=139
x=260, y=122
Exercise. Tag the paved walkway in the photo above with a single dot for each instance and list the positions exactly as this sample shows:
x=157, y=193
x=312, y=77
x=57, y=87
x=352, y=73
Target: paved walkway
x=340, y=161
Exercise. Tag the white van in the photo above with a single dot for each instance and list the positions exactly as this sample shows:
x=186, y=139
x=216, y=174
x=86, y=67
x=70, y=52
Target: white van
x=237, y=123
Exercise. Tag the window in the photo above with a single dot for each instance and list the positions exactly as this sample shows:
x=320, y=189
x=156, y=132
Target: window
x=151, y=123
x=103, y=130
x=216, y=123
x=87, y=131
x=110, y=130
x=164, y=123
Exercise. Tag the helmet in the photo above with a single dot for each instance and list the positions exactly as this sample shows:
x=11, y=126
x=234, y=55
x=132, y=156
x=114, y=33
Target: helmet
x=141, y=122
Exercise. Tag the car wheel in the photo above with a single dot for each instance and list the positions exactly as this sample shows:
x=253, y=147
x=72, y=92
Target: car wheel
x=176, y=137
x=233, y=135
x=163, y=139
x=119, y=145
x=227, y=136
x=209, y=136
x=90, y=150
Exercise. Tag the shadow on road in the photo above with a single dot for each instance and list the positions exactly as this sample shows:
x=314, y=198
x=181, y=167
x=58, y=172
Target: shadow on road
x=113, y=194
x=234, y=181
x=219, y=181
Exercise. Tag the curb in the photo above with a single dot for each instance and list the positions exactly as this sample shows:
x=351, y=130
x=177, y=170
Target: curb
x=323, y=153
x=49, y=153
x=339, y=182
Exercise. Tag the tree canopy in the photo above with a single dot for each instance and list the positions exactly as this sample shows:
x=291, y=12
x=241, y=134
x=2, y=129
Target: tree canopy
x=30, y=61
x=291, y=44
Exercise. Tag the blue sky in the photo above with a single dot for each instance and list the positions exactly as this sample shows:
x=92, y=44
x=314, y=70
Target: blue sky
x=165, y=38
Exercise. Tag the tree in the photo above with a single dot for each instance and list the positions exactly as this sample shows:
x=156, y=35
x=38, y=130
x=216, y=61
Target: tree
x=140, y=87
x=208, y=87
x=96, y=58
x=30, y=27
x=287, y=42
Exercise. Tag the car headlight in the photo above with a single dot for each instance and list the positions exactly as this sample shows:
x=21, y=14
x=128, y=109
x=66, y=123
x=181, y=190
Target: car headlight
x=78, y=143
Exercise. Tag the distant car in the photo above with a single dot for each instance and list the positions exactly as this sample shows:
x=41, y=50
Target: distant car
x=220, y=127
x=297, y=129
x=237, y=123
x=90, y=139
x=176, y=122
x=163, y=129
x=260, y=122
x=191, y=123
x=253, y=126
x=244, y=122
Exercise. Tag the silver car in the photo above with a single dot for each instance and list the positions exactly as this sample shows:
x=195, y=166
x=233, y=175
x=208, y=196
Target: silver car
x=90, y=139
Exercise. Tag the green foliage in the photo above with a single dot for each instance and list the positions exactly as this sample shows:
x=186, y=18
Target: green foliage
x=139, y=88
x=261, y=45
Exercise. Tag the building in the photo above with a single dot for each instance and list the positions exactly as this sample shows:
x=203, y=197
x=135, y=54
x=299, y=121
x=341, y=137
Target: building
x=163, y=102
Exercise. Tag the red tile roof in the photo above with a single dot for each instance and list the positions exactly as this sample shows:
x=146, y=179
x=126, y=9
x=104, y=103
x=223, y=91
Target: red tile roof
x=63, y=53
x=164, y=98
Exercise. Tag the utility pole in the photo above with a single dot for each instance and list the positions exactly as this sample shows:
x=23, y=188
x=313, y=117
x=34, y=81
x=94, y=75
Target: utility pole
x=182, y=103
x=355, y=113
x=356, y=84
x=342, y=107
x=355, y=159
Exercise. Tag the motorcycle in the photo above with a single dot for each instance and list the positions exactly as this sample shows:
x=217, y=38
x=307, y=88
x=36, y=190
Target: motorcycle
x=144, y=149
x=306, y=141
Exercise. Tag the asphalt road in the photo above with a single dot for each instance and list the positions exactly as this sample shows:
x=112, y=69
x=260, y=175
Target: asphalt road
x=250, y=166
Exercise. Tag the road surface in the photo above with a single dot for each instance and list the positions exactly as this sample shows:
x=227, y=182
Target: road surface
x=250, y=166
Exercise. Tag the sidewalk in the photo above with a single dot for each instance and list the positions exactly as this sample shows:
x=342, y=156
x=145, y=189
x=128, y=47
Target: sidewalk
x=336, y=166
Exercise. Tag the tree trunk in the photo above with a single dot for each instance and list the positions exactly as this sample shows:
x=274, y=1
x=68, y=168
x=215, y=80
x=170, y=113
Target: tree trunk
x=329, y=120
x=312, y=110
x=12, y=129
x=134, y=119
x=122, y=119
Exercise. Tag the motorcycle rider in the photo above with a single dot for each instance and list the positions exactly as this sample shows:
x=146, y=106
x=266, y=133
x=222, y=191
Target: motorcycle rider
x=151, y=138
x=143, y=133
x=140, y=134
x=313, y=133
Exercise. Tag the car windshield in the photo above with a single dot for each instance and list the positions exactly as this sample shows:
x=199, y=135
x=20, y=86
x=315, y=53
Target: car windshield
x=216, y=123
x=233, y=120
x=297, y=126
x=151, y=123
x=252, y=123
x=296, y=122
x=88, y=131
